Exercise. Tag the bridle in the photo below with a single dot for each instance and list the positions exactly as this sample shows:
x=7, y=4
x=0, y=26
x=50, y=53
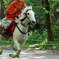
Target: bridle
x=23, y=24
x=25, y=15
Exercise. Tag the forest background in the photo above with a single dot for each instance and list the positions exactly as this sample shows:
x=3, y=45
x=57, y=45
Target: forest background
x=45, y=34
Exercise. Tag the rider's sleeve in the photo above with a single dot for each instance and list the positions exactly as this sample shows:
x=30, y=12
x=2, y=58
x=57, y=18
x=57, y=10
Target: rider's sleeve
x=11, y=9
x=23, y=2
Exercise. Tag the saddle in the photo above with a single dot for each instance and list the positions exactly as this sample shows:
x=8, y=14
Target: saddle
x=9, y=31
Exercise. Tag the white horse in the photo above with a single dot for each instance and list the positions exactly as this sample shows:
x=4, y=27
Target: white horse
x=20, y=34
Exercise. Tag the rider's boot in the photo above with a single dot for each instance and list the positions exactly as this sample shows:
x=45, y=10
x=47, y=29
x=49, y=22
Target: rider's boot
x=3, y=29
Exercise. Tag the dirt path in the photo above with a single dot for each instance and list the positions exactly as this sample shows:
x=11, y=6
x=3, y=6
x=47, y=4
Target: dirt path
x=31, y=54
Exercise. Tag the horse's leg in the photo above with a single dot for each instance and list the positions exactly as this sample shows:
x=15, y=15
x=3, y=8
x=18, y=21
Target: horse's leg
x=18, y=49
x=1, y=49
x=22, y=42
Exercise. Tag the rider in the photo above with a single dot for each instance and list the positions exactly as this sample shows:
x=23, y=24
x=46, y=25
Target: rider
x=12, y=11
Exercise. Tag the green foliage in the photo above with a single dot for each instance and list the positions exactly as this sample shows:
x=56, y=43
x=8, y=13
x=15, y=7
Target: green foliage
x=56, y=30
x=41, y=40
x=6, y=2
x=36, y=38
x=5, y=42
x=57, y=25
x=33, y=2
x=57, y=22
x=57, y=9
x=34, y=35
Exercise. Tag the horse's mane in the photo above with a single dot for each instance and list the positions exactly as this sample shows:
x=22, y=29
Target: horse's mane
x=23, y=11
x=26, y=8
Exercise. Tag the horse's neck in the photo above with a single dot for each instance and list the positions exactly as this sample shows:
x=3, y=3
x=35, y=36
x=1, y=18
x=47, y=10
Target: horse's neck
x=26, y=21
x=24, y=29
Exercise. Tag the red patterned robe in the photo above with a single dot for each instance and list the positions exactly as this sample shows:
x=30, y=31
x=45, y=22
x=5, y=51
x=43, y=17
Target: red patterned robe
x=13, y=9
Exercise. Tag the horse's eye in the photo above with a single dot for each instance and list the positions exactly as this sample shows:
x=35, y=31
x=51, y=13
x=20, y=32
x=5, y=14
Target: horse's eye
x=27, y=13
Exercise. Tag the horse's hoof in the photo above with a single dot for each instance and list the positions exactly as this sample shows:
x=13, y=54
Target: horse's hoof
x=1, y=50
x=17, y=56
x=17, y=53
x=15, y=49
x=12, y=56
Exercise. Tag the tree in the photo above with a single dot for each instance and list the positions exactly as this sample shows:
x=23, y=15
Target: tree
x=2, y=9
x=48, y=24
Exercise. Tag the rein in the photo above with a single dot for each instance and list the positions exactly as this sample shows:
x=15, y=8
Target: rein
x=24, y=24
x=25, y=16
x=23, y=19
x=22, y=31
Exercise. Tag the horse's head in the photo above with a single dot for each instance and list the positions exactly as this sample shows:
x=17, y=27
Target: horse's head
x=28, y=15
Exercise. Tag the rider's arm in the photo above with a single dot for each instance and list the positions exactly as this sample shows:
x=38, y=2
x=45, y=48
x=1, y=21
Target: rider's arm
x=11, y=9
x=24, y=5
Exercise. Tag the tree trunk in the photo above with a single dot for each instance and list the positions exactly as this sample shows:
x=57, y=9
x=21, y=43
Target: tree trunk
x=2, y=9
x=48, y=24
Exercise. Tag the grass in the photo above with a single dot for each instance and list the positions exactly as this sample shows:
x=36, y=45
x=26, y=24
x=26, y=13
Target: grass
x=5, y=42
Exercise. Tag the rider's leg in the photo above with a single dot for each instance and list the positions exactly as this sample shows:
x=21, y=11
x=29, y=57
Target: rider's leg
x=1, y=21
x=6, y=23
x=1, y=24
